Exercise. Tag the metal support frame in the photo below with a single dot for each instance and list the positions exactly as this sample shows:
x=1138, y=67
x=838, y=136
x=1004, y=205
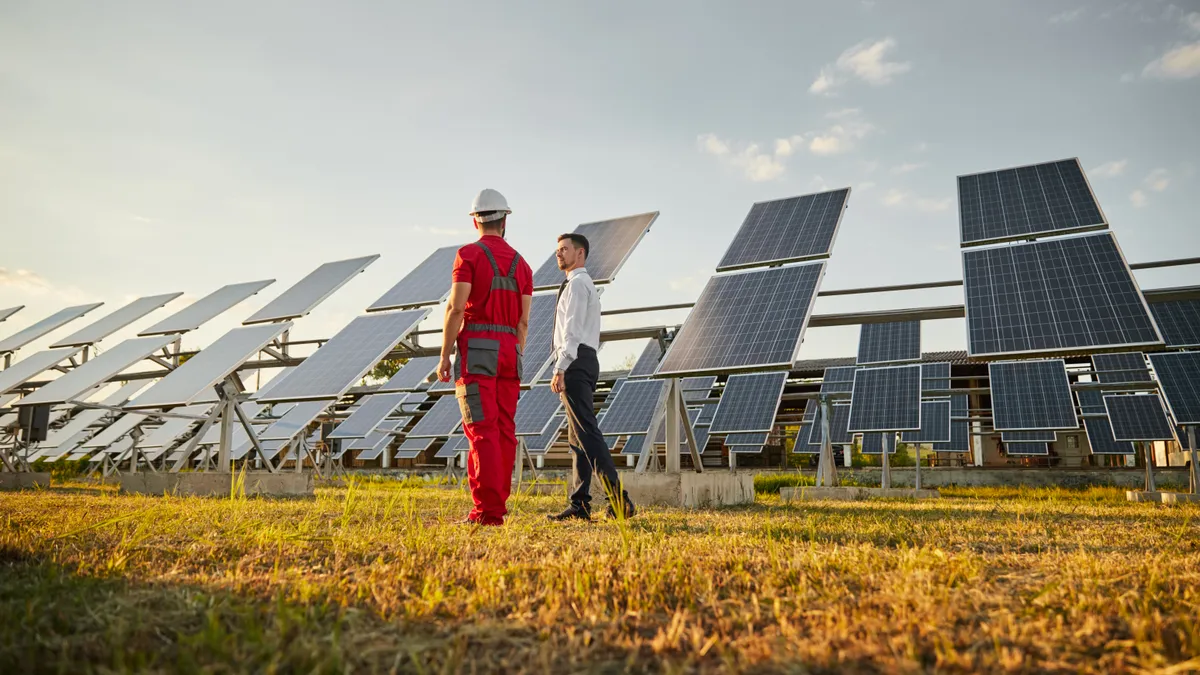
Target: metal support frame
x=1194, y=474
x=1148, y=451
x=226, y=413
x=885, y=476
x=826, y=467
x=672, y=411
x=917, y=480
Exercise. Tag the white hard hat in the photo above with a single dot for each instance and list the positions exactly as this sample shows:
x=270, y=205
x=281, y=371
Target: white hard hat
x=490, y=200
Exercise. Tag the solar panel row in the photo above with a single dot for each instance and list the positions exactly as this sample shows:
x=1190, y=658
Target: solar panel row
x=892, y=342
x=786, y=230
x=1015, y=203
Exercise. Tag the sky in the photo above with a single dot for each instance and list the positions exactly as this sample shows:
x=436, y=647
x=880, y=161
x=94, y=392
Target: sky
x=149, y=147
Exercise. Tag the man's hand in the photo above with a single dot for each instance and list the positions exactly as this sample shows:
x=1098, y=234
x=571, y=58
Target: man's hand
x=444, y=369
x=557, y=385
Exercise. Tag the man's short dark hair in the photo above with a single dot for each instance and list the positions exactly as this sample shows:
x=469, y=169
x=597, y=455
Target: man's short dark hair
x=579, y=240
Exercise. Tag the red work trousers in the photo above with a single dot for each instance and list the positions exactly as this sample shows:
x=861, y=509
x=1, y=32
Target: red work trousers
x=487, y=391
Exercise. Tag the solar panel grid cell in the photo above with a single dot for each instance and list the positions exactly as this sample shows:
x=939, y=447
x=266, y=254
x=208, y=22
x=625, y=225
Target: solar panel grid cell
x=787, y=230
x=886, y=399
x=371, y=411
x=1029, y=436
x=311, y=291
x=535, y=409
x=1121, y=368
x=411, y=375
x=610, y=243
x=441, y=420
x=838, y=380
x=936, y=377
x=427, y=284
x=647, y=361
x=874, y=442
x=1179, y=322
x=935, y=424
x=196, y=314
x=632, y=409
x=1100, y=438
x=1138, y=417
x=892, y=342
x=1027, y=449
x=1031, y=395
x=749, y=403
x=960, y=438
x=1014, y=203
x=633, y=445
x=839, y=434
x=539, y=341
x=1179, y=376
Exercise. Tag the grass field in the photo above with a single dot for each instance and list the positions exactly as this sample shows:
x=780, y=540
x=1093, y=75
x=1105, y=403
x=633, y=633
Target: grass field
x=375, y=578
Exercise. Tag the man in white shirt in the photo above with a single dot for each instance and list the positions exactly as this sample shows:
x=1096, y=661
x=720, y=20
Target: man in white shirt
x=576, y=339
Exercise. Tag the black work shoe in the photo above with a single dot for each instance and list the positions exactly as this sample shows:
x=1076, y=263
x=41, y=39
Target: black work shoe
x=629, y=510
x=572, y=513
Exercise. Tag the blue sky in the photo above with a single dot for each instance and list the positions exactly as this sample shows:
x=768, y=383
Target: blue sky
x=153, y=147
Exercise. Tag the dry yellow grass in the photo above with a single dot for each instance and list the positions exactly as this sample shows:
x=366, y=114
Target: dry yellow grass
x=375, y=578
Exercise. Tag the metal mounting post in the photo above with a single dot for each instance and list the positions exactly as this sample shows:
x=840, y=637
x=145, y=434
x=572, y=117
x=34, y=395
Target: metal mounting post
x=1194, y=474
x=917, y=481
x=1148, y=451
x=826, y=469
x=885, y=479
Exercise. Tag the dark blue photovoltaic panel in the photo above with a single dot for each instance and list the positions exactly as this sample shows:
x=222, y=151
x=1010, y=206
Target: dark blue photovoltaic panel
x=539, y=341
x=1179, y=377
x=1028, y=436
x=427, y=284
x=1121, y=368
x=1138, y=417
x=1100, y=437
x=535, y=409
x=838, y=380
x=1031, y=396
x=411, y=448
x=745, y=449
x=610, y=243
x=839, y=417
x=632, y=408
x=647, y=362
x=886, y=399
x=1027, y=449
x=892, y=342
x=874, y=442
x=786, y=230
x=960, y=438
x=633, y=445
x=661, y=437
x=801, y=445
x=743, y=321
x=453, y=446
x=1058, y=295
x=936, y=377
x=1178, y=321
x=697, y=388
x=707, y=412
x=411, y=375
x=1016, y=203
x=746, y=439
x=749, y=403
x=440, y=420
x=1091, y=402
x=935, y=424
x=312, y=290
x=959, y=407
x=539, y=445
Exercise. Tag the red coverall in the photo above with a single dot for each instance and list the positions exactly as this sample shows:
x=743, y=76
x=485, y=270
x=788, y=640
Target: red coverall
x=488, y=369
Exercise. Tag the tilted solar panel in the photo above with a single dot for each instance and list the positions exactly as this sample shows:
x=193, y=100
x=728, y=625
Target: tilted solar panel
x=1027, y=449
x=787, y=230
x=697, y=388
x=53, y=322
x=1138, y=417
x=1028, y=436
x=1179, y=377
x=960, y=438
x=441, y=420
x=839, y=434
x=610, y=243
x=346, y=357
x=1030, y=200
x=116, y=321
x=427, y=284
x=174, y=427
x=539, y=340
x=1121, y=368
x=935, y=424
x=452, y=447
x=747, y=439
x=115, y=431
x=1071, y=294
x=31, y=366
x=1091, y=402
x=311, y=291
x=886, y=399
x=746, y=449
x=9, y=311
x=647, y=362
x=377, y=441
x=1100, y=438
x=410, y=448
x=535, y=409
x=633, y=445
x=936, y=377
x=959, y=407
x=874, y=442
x=801, y=443
x=892, y=342
x=749, y=403
x=538, y=445
x=632, y=409
x=1031, y=395
x=1178, y=321
x=746, y=321
x=838, y=380
x=294, y=421
x=100, y=368
x=370, y=412
x=707, y=412
x=411, y=375
x=196, y=314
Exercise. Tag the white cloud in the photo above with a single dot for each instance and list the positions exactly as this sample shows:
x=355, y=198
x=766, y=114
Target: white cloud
x=866, y=60
x=903, y=199
x=908, y=167
x=1068, y=16
x=895, y=197
x=1110, y=169
x=933, y=205
x=1158, y=180
x=1180, y=63
x=23, y=280
x=758, y=166
x=1138, y=198
x=864, y=186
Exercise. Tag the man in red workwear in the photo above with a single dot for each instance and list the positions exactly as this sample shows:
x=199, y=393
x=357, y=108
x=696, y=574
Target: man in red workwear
x=487, y=319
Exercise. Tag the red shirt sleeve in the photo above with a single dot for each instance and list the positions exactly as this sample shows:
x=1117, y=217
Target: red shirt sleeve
x=464, y=269
x=525, y=278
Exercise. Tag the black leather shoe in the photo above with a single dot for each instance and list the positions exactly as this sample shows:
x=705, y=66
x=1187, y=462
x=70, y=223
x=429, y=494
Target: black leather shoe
x=629, y=510
x=572, y=513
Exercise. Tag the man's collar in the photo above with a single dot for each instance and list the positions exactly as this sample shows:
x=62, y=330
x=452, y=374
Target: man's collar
x=576, y=272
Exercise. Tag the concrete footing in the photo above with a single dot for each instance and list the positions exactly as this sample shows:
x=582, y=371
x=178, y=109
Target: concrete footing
x=23, y=480
x=1162, y=497
x=852, y=493
x=689, y=489
x=214, y=484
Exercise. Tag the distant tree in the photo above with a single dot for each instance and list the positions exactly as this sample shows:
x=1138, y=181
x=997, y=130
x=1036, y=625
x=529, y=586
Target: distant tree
x=384, y=370
x=627, y=363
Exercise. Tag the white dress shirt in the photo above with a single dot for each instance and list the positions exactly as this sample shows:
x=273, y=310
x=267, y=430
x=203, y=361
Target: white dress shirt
x=576, y=319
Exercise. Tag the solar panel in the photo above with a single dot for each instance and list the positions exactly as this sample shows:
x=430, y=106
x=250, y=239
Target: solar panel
x=535, y=408
x=410, y=448
x=610, y=243
x=1179, y=377
x=707, y=412
x=440, y=420
x=31, y=366
x=1031, y=395
x=196, y=314
x=1100, y=437
x=1029, y=436
x=346, y=357
x=210, y=365
x=56, y=320
x=647, y=362
x=935, y=377
x=1030, y=200
x=1178, y=321
x=79, y=424
x=371, y=411
x=375, y=443
x=700, y=432
x=661, y=437
x=1121, y=368
x=1059, y=295
x=935, y=424
x=9, y=311
x=748, y=403
x=633, y=408
x=452, y=447
x=959, y=407
x=115, y=431
x=747, y=320
x=251, y=410
x=745, y=449
x=633, y=445
x=311, y=291
x=960, y=438
x=411, y=375
x=1027, y=449
x=539, y=340
x=428, y=283
x=787, y=230
x=746, y=439
x=874, y=442
x=1138, y=417
x=123, y=393
x=838, y=380
x=5, y=399
x=293, y=421
x=886, y=399
x=97, y=370
x=697, y=388
x=892, y=342
x=1091, y=402
x=116, y=321
x=538, y=445
x=174, y=427
x=839, y=433
x=275, y=381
